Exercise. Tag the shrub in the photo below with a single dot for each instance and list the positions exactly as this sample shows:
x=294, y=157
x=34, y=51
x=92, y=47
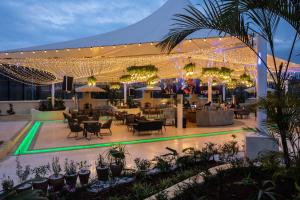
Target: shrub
x=141, y=191
x=142, y=164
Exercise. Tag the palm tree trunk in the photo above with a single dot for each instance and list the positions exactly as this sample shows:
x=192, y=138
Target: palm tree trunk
x=285, y=148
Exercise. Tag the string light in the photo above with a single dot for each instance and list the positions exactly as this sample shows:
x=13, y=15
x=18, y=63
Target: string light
x=107, y=68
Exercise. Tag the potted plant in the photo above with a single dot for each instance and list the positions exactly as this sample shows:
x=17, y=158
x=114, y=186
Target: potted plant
x=116, y=157
x=70, y=173
x=7, y=184
x=84, y=172
x=23, y=174
x=41, y=182
x=56, y=180
x=102, y=168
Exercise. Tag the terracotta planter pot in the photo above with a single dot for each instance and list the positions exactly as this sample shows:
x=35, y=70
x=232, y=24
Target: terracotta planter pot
x=102, y=173
x=40, y=184
x=57, y=182
x=24, y=187
x=84, y=177
x=71, y=179
x=116, y=170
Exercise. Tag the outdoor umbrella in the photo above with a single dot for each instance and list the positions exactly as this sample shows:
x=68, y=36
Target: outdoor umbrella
x=253, y=90
x=149, y=88
x=87, y=88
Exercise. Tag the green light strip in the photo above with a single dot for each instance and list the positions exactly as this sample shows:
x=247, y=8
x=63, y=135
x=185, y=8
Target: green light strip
x=25, y=144
x=80, y=147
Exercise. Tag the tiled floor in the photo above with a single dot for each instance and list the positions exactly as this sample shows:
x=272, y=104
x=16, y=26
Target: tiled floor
x=9, y=129
x=53, y=134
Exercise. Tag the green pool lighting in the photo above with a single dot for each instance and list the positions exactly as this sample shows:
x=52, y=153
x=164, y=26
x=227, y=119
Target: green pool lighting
x=24, y=146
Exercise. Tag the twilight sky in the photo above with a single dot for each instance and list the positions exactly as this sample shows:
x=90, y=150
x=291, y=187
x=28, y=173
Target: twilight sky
x=27, y=23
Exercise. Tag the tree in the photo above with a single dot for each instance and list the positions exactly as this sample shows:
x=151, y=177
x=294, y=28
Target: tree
x=244, y=19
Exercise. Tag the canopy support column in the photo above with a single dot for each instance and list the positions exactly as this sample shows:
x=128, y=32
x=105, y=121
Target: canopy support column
x=209, y=90
x=257, y=144
x=261, y=81
x=224, y=93
x=179, y=111
x=53, y=95
x=125, y=93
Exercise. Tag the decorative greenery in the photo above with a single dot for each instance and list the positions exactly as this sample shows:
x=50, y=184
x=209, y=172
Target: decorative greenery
x=41, y=171
x=225, y=73
x=70, y=167
x=46, y=105
x=92, y=81
x=142, y=164
x=126, y=79
x=56, y=168
x=114, y=86
x=101, y=161
x=232, y=84
x=153, y=80
x=246, y=80
x=22, y=173
x=117, y=154
x=83, y=166
x=146, y=70
x=189, y=69
x=210, y=71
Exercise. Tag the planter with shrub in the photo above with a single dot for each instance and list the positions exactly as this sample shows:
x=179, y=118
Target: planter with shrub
x=41, y=181
x=70, y=173
x=56, y=180
x=84, y=172
x=102, y=169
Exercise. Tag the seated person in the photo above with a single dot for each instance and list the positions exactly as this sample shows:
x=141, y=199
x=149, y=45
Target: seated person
x=187, y=104
x=207, y=104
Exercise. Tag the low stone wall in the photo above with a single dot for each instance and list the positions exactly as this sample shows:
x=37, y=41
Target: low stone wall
x=37, y=115
x=24, y=107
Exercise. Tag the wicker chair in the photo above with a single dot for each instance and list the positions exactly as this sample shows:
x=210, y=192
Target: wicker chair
x=107, y=125
x=74, y=128
x=92, y=128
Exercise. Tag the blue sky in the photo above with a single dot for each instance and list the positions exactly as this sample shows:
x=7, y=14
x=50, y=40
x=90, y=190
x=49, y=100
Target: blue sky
x=34, y=22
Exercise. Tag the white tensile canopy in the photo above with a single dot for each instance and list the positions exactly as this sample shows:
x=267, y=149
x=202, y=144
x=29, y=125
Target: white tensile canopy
x=106, y=56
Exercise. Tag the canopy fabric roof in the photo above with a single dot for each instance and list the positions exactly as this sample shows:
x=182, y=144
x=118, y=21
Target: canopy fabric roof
x=106, y=56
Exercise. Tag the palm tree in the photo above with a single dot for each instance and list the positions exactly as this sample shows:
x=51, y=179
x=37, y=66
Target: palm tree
x=244, y=19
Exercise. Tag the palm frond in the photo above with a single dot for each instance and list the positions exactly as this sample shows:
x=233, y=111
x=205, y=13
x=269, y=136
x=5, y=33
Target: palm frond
x=211, y=18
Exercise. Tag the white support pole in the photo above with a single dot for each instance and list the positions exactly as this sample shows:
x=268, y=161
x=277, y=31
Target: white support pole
x=258, y=144
x=53, y=95
x=179, y=111
x=224, y=93
x=125, y=93
x=209, y=90
x=261, y=82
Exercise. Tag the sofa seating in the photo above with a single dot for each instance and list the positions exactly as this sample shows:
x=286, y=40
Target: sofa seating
x=214, y=117
x=145, y=126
